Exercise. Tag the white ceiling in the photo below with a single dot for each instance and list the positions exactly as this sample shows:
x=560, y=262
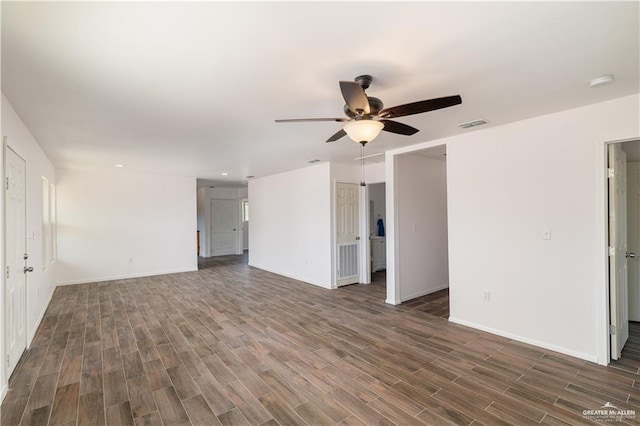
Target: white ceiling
x=193, y=88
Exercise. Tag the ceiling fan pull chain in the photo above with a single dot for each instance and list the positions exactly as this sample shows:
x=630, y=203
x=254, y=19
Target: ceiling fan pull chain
x=362, y=144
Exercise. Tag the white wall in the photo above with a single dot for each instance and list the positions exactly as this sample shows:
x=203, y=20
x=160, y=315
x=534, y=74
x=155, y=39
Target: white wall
x=115, y=224
x=374, y=172
x=205, y=195
x=506, y=185
x=290, y=230
x=422, y=226
x=40, y=283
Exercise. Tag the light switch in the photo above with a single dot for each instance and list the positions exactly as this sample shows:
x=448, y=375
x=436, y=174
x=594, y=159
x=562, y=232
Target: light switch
x=546, y=234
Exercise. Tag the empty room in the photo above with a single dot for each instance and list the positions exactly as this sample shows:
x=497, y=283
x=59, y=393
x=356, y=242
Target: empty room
x=310, y=213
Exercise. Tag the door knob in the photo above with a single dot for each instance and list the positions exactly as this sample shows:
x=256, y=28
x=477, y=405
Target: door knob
x=631, y=255
x=28, y=269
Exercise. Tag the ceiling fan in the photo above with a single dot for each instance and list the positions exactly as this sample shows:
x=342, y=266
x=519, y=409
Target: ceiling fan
x=366, y=115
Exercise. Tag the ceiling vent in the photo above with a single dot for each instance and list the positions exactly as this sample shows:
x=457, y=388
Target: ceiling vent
x=314, y=161
x=473, y=123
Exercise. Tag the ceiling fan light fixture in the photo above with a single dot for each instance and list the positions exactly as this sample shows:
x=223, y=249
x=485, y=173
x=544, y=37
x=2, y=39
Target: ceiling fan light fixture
x=363, y=130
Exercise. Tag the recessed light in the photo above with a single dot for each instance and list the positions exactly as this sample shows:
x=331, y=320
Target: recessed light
x=224, y=173
x=120, y=166
x=601, y=81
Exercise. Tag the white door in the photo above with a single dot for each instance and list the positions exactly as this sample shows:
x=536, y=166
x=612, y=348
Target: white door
x=15, y=312
x=348, y=233
x=633, y=238
x=224, y=227
x=618, y=298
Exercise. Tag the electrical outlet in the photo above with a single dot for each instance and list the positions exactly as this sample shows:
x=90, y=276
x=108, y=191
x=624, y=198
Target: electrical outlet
x=486, y=296
x=546, y=234
x=131, y=260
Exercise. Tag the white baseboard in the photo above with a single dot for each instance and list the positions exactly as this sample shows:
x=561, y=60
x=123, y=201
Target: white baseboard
x=424, y=293
x=3, y=393
x=392, y=302
x=33, y=332
x=304, y=280
x=544, y=345
x=124, y=277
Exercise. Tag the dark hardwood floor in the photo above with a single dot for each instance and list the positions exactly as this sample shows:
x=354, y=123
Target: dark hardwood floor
x=234, y=345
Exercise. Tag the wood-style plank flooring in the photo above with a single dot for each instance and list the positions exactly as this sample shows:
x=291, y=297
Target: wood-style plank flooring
x=631, y=349
x=234, y=345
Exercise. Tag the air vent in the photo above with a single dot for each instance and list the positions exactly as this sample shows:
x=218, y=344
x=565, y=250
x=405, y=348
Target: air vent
x=314, y=161
x=473, y=123
x=250, y=176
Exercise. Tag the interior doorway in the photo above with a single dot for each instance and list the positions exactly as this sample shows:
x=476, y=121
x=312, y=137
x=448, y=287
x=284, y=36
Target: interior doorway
x=623, y=162
x=377, y=233
x=420, y=228
x=244, y=219
x=224, y=227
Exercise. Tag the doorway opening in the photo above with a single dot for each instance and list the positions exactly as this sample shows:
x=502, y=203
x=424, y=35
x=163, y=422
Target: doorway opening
x=421, y=235
x=244, y=220
x=377, y=234
x=623, y=171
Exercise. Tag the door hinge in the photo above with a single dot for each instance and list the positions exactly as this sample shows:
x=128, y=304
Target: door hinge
x=8, y=360
x=612, y=329
x=610, y=172
x=7, y=272
x=612, y=251
x=7, y=182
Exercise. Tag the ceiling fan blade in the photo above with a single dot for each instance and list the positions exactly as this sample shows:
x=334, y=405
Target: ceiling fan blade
x=339, y=134
x=420, y=107
x=300, y=120
x=355, y=97
x=399, y=128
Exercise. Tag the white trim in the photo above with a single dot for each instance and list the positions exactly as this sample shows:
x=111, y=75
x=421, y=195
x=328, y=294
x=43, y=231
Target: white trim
x=393, y=258
x=526, y=340
x=603, y=342
x=124, y=277
x=287, y=275
x=39, y=320
x=423, y=293
x=3, y=393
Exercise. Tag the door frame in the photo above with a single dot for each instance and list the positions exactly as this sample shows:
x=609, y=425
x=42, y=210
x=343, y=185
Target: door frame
x=5, y=299
x=363, y=222
x=603, y=313
x=367, y=203
x=238, y=218
x=241, y=202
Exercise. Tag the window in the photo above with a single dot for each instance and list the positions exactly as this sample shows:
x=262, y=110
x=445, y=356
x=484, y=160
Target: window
x=49, y=246
x=53, y=221
x=245, y=211
x=46, y=224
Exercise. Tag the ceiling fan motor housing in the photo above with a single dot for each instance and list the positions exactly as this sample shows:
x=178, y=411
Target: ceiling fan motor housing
x=375, y=105
x=364, y=81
